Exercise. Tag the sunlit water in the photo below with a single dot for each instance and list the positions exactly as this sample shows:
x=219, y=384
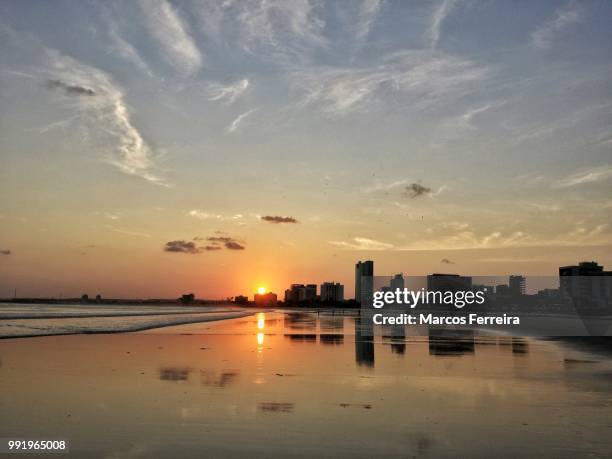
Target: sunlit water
x=300, y=385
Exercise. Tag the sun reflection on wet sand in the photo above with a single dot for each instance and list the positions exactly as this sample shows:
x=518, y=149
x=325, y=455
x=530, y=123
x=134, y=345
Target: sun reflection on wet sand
x=261, y=320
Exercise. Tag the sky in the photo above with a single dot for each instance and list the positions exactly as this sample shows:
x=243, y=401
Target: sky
x=154, y=148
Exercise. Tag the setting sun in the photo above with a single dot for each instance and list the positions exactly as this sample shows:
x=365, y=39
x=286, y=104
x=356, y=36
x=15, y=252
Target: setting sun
x=261, y=290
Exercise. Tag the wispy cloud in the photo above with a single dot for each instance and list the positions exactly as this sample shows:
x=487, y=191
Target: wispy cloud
x=124, y=49
x=275, y=30
x=543, y=37
x=362, y=243
x=102, y=108
x=368, y=12
x=571, y=120
x=283, y=27
x=204, y=215
x=172, y=33
x=5, y=252
x=467, y=119
x=414, y=79
x=596, y=174
x=446, y=261
x=234, y=125
x=386, y=186
x=439, y=14
x=128, y=232
x=227, y=93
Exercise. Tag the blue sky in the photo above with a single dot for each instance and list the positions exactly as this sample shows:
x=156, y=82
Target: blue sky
x=380, y=126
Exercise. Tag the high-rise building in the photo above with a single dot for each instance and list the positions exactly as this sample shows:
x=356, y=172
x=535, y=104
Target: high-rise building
x=516, y=285
x=397, y=282
x=448, y=282
x=300, y=293
x=587, y=280
x=310, y=292
x=363, y=269
x=331, y=291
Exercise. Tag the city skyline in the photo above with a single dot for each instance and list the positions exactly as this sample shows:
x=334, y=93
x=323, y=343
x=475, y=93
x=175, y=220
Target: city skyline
x=154, y=148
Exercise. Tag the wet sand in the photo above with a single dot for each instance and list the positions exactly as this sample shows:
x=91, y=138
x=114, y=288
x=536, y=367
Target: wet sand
x=301, y=385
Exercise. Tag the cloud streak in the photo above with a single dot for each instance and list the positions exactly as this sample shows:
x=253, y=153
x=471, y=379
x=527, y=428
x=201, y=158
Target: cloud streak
x=227, y=93
x=438, y=16
x=594, y=175
x=234, y=125
x=204, y=215
x=172, y=33
x=543, y=37
x=103, y=110
x=368, y=12
x=415, y=79
x=124, y=49
x=363, y=243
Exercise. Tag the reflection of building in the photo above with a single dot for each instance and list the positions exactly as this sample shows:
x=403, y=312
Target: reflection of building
x=331, y=323
x=448, y=282
x=331, y=291
x=364, y=342
x=397, y=282
x=588, y=280
x=300, y=321
x=447, y=342
x=300, y=293
x=265, y=299
x=363, y=287
x=516, y=285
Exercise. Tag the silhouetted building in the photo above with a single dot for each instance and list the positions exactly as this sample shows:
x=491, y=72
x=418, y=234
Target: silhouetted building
x=397, y=282
x=364, y=271
x=587, y=280
x=448, y=282
x=549, y=293
x=98, y=298
x=241, y=299
x=300, y=293
x=502, y=290
x=332, y=292
x=487, y=289
x=266, y=299
x=84, y=298
x=187, y=298
x=516, y=285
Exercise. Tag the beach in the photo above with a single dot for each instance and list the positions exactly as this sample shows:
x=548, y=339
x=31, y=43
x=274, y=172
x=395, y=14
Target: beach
x=300, y=384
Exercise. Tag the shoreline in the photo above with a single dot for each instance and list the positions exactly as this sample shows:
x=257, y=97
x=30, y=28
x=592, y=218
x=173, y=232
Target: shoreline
x=132, y=329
